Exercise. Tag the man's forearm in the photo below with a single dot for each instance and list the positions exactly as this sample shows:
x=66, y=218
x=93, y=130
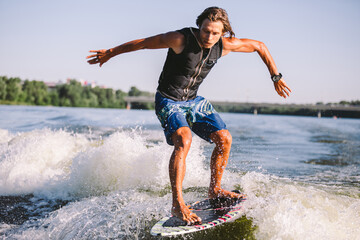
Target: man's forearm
x=267, y=58
x=153, y=42
x=127, y=47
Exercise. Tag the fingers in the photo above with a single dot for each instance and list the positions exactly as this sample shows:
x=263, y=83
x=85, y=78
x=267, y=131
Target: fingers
x=97, y=58
x=91, y=56
x=284, y=86
x=286, y=89
x=94, y=55
x=98, y=51
x=282, y=89
x=94, y=61
x=278, y=90
x=287, y=92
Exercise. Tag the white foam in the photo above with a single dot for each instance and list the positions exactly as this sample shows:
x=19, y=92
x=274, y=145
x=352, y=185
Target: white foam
x=58, y=164
x=5, y=136
x=118, y=215
x=32, y=161
x=287, y=210
x=126, y=161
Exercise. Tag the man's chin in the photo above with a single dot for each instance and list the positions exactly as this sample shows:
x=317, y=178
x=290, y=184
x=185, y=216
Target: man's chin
x=207, y=45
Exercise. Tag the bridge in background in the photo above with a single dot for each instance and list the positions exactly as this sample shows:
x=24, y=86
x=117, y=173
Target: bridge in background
x=256, y=107
x=139, y=99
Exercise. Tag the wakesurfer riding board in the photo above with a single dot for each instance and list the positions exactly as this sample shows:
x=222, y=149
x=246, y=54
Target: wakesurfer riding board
x=212, y=212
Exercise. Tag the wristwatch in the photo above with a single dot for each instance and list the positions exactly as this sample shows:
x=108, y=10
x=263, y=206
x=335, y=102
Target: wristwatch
x=275, y=78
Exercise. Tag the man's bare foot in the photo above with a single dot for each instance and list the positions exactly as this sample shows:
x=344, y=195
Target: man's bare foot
x=221, y=193
x=183, y=212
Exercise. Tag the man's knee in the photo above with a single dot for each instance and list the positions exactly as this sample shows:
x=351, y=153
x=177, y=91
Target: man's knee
x=182, y=138
x=222, y=138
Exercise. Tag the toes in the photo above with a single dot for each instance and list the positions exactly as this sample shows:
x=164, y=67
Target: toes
x=195, y=219
x=189, y=222
x=192, y=219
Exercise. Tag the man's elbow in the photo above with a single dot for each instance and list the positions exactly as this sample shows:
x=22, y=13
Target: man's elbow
x=260, y=47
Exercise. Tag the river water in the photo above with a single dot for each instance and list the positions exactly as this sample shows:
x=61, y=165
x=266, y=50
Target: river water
x=81, y=173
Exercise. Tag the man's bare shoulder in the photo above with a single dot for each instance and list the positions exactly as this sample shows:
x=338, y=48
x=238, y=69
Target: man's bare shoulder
x=174, y=40
x=239, y=45
x=229, y=44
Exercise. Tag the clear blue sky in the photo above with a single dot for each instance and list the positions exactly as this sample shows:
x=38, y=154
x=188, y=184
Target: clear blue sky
x=315, y=44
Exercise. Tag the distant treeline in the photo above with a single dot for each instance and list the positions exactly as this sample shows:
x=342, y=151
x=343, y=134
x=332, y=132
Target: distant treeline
x=71, y=94
x=344, y=103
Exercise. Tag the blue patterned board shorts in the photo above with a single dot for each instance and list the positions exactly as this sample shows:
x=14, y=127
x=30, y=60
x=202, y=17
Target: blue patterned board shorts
x=197, y=114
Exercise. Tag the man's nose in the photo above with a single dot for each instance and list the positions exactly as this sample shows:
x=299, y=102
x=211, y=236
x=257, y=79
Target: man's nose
x=208, y=37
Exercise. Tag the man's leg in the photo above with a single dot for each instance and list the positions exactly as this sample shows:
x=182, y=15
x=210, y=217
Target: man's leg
x=177, y=167
x=219, y=159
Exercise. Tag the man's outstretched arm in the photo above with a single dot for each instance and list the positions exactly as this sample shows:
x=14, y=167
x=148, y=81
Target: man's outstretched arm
x=248, y=45
x=174, y=40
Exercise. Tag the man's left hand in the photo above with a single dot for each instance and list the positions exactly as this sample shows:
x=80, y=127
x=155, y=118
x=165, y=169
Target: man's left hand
x=281, y=88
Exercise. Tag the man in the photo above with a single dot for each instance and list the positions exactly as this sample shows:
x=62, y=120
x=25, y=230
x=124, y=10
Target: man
x=191, y=55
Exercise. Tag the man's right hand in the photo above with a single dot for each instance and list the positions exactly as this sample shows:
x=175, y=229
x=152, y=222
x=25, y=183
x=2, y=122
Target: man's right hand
x=101, y=56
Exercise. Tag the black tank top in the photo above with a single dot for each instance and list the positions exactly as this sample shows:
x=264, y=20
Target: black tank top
x=183, y=73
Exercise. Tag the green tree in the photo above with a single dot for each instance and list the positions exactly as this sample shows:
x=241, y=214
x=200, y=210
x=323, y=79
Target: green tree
x=344, y=102
x=110, y=96
x=70, y=94
x=13, y=89
x=36, y=92
x=2, y=88
x=355, y=103
x=89, y=98
x=54, y=98
x=120, y=101
x=101, y=95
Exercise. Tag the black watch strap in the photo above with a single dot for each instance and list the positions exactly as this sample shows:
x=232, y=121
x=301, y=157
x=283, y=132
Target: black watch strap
x=276, y=78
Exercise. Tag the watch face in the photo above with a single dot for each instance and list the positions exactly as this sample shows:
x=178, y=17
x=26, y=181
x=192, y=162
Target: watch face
x=276, y=78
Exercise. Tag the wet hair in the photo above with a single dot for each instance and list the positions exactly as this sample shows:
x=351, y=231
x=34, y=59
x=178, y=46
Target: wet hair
x=216, y=14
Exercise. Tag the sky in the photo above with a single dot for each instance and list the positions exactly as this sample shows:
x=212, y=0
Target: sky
x=315, y=45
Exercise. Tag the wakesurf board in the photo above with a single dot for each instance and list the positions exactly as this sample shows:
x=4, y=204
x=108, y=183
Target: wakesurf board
x=213, y=212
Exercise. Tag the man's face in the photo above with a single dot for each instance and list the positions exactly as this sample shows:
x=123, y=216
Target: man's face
x=210, y=32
